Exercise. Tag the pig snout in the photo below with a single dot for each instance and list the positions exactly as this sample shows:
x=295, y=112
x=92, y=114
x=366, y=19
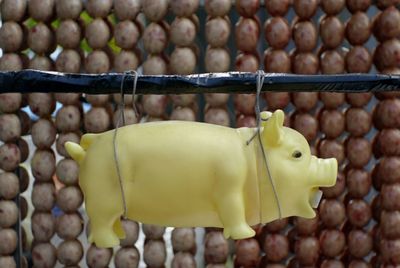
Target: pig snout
x=325, y=171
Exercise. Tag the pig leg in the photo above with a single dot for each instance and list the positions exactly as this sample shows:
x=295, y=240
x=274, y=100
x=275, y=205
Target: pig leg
x=230, y=206
x=118, y=229
x=103, y=231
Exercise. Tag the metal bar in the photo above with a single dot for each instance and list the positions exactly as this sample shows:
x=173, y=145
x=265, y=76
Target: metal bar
x=28, y=81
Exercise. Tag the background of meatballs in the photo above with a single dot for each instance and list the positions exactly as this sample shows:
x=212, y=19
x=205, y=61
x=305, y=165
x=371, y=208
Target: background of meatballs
x=358, y=220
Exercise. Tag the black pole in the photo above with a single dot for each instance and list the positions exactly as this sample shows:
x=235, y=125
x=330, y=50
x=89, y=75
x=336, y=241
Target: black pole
x=28, y=81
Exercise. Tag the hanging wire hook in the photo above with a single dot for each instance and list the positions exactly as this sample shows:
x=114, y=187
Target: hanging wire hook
x=122, y=118
x=260, y=83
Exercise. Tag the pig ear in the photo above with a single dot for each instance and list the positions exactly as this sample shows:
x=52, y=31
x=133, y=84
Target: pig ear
x=273, y=128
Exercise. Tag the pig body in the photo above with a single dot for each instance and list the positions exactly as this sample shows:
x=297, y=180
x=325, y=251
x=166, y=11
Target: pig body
x=187, y=174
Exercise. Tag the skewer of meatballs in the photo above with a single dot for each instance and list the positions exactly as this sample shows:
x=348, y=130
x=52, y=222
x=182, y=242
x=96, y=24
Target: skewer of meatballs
x=385, y=148
x=14, y=150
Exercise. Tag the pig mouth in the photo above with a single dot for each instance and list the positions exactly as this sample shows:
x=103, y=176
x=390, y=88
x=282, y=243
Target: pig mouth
x=315, y=197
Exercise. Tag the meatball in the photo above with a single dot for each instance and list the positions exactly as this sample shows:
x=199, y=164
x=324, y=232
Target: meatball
x=277, y=32
x=307, y=250
x=387, y=113
x=98, y=257
x=332, y=212
x=387, y=54
x=332, y=123
x=155, y=10
x=68, y=34
x=358, y=183
x=306, y=124
x=332, y=7
x=305, y=101
x=216, y=248
x=332, y=62
x=359, y=151
x=40, y=38
x=277, y=7
x=358, y=212
x=331, y=31
x=276, y=61
x=68, y=61
x=305, y=63
x=358, y=99
x=305, y=9
x=358, y=5
x=217, y=8
x=13, y=10
x=183, y=61
x=358, y=60
x=11, y=37
x=127, y=9
x=247, y=253
x=332, y=242
x=358, y=29
x=68, y=9
x=217, y=60
x=69, y=226
x=126, y=34
x=305, y=36
x=246, y=62
x=217, y=32
x=276, y=247
x=247, y=31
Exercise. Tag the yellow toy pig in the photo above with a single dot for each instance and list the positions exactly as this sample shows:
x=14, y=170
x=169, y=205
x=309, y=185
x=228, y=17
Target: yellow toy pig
x=191, y=174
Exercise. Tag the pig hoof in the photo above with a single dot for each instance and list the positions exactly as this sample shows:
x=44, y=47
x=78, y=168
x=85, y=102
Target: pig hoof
x=239, y=232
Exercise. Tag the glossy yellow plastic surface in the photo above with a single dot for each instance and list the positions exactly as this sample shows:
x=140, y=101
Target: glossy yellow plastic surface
x=190, y=174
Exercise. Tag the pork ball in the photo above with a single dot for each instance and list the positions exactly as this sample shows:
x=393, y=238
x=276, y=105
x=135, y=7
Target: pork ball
x=154, y=105
x=126, y=34
x=183, y=31
x=217, y=8
x=44, y=255
x=62, y=139
x=277, y=32
x=155, y=64
x=68, y=61
x=331, y=148
x=68, y=119
x=183, y=113
x=127, y=9
x=11, y=62
x=277, y=7
x=306, y=124
x=358, y=28
x=41, y=104
x=305, y=9
x=10, y=127
x=332, y=242
x=331, y=31
x=247, y=31
x=247, y=253
x=9, y=241
x=131, y=229
x=154, y=253
x=184, y=8
x=216, y=248
x=183, y=259
x=41, y=10
x=41, y=62
x=10, y=156
x=70, y=252
x=96, y=120
x=276, y=61
x=43, y=226
x=358, y=5
x=8, y=213
x=332, y=123
x=40, y=38
x=9, y=185
x=43, y=196
x=276, y=247
x=68, y=34
x=10, y=102
x=153, y=231
x=387, y=54
x=155, y=10
x=183, y=61
x=13, y=10
x=358, y=60
x=68, y=9
x=358, y=183
x=98, y=8
x=155, y=38
x=98, y=257
x=247, y=62
x=307, y=250
x=218, y=116
x=358, y=212
x=332, y=62
x=305, y=63
x=332, y=7
x=217, y=60
x=11, y=37
x=217, y=32
x=332, y=212
x=127, y=257
x=69, y=198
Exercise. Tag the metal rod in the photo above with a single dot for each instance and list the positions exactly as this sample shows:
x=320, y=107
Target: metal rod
x=28, y=81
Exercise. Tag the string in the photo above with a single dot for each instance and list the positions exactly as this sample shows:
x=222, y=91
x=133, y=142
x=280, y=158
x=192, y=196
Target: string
x=260, y=83
x=122, y=117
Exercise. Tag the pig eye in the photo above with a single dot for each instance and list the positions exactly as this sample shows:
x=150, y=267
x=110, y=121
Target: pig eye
x=297, y=154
